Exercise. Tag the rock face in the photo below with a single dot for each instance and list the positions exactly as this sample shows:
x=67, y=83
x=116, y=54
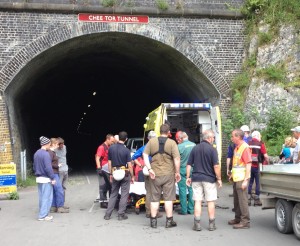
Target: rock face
x=264, y=93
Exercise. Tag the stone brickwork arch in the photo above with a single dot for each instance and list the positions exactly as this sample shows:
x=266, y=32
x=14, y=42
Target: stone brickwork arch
x=78, y=29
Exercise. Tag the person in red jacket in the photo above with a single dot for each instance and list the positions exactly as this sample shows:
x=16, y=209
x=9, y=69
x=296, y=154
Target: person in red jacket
x=101, y=158
x=259, y=156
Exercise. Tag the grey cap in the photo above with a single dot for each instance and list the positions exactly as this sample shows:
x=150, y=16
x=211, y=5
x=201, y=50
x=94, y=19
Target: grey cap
x=151, y=134
x=296, y=129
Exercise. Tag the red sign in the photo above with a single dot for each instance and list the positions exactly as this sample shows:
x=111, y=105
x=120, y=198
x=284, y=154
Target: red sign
x=114, y=18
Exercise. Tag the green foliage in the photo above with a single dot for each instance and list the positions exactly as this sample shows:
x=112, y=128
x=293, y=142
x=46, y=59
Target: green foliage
x=273, y=12
x=296, y=109
x=230, y=7
x=241, y=82
x=274, y=146
x=30, y=181
x=179, y=4
x=236, y=116
x=295, y=83
x=109, y=3
x=13, y=196
x=252, y=7
x=250, y=62
x=264, y=38
x=274, y=72
x=130, y=3
x=280, y=120
x=162, y=4
x=279, y=12
x=279, y=124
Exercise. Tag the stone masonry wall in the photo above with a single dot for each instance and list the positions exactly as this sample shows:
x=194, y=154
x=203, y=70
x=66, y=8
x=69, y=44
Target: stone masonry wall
x=220, y=41
x=212, y=4
x=5, y=144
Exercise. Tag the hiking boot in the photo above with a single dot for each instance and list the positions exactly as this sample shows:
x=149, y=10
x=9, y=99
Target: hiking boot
x=233, y=222
x=62, y=210
x=153, y=222
x=212, y=225
x=122, y=217
x=197, y=226
x=53, y=209
x=241, y=226
x=107, y=217
x=249, y=201
x=170, y=222
x=103, y=204
x=257, y=202
x=47, y=218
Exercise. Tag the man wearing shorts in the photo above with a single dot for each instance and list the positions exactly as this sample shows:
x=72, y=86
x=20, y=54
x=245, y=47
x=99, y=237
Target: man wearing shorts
x=163, y=171
x=206, y=172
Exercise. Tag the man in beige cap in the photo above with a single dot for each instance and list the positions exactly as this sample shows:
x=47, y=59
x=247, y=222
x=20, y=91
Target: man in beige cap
x=296, y=153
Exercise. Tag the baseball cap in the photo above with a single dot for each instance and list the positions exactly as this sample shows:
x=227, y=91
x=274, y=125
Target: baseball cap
x=151, y=134
x=245, y=128
x=296, y=129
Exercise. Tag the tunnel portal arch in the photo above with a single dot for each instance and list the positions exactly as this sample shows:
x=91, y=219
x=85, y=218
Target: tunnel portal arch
x=13, y=70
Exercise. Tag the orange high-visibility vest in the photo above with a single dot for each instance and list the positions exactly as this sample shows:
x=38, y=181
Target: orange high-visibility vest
x=238, y=166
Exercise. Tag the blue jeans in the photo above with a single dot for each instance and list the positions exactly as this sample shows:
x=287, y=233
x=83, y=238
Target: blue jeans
x=58, y=193
x=45, y=199
x=254, y=177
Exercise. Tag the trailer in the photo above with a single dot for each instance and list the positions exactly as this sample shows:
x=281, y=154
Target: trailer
x=280, y=184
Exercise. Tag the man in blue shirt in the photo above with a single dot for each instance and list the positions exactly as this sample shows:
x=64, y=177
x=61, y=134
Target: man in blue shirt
x=246, y=131
x=45, y=179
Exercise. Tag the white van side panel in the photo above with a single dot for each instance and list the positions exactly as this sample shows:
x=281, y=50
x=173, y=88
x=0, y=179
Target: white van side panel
x=216, y=127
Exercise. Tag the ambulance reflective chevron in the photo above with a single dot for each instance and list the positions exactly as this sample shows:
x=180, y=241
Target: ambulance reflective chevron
x=192, y=118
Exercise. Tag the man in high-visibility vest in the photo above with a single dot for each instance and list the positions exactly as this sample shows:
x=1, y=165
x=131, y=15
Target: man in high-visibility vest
x=241, y=169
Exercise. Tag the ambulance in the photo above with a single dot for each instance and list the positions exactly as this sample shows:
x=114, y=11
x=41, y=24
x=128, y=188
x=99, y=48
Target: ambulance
x=192, y=118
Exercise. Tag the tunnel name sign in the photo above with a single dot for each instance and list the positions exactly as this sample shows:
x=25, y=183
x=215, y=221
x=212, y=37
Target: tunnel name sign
x=8, y=181
x=134, y=19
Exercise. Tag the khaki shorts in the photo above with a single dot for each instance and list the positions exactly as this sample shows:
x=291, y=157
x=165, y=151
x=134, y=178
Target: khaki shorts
x=204, y=191
x=163, y=186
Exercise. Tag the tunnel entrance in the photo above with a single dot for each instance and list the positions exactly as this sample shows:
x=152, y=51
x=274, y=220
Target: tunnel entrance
x=92, y=85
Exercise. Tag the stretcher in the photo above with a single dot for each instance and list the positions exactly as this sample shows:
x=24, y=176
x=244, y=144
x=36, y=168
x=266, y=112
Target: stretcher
x=137, y=196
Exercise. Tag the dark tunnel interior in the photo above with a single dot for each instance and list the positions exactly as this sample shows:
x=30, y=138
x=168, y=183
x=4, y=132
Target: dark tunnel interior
x=132, y=75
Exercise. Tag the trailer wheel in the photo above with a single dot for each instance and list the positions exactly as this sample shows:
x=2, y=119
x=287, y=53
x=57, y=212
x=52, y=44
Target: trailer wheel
x=283, y=216
x=296, y=220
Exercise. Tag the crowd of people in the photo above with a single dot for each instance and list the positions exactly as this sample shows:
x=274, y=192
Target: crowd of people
x=51, y=171
x=160, y=164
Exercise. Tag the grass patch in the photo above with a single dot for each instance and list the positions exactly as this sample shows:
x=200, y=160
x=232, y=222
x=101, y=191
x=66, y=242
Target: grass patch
x=13, y=196
x=275, y=73
x=162, y=4
x=109, y=3
x=30, y=181
x=265, y=38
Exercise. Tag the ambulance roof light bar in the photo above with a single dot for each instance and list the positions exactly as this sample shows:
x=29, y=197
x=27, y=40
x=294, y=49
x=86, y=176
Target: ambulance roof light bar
x=188, y=105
